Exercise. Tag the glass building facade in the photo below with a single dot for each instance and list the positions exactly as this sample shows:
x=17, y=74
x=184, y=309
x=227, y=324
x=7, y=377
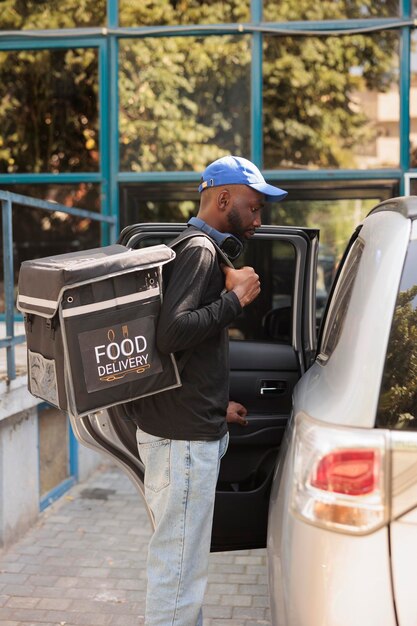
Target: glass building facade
x=118, y=106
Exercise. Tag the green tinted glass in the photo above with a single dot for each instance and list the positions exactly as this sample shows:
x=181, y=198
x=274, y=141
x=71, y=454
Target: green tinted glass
x=49, y=111
x=152, y=12
x=286, y=10
x=331, y=102
x=336, y=220
x=184, y=101
x=42, y=14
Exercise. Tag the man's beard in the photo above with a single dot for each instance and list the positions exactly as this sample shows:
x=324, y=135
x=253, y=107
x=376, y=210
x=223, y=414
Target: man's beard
x=235, y=223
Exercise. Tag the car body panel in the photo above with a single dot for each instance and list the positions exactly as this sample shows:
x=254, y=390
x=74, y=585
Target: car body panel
x=319, y=577
x=404, y=567
x=322, y=578
x=321, y=588
x=345, y=390
x=403, y=528
x=404, y=473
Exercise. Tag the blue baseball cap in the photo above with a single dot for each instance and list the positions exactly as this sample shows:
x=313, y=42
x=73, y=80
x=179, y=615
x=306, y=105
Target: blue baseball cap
x=234, y=170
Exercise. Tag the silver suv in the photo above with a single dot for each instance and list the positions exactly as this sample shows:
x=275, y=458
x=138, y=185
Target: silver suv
x=343, y=511
x=338, y=510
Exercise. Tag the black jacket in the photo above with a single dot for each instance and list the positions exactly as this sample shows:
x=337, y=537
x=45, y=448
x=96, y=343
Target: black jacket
x=193, y=325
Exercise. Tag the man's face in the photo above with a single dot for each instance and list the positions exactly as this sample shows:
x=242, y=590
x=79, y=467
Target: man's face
x=245, y=212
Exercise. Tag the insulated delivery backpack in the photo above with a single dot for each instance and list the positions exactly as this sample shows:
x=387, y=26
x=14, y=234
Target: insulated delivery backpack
x=90, y=321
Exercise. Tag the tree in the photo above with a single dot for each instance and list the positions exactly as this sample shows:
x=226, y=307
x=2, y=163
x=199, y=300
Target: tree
x=48, y=98
x=185, y=100
x=48, y=111
x=398, y=400
x=312, y=85
x=45, y=14
x=49, y=123
x=182, y=98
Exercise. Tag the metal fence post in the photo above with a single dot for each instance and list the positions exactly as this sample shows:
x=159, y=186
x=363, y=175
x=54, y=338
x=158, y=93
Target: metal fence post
x=6, y=206
x=8, y=201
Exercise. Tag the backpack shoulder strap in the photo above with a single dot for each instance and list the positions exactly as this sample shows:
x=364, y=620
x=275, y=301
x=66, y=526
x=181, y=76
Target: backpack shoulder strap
x=191, y=234
x=187, y=234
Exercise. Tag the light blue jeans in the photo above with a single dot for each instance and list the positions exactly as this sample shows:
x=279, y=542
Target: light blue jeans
x=180, y=486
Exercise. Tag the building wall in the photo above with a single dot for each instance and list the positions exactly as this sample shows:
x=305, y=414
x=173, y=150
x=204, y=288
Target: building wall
x=19, y=461
x=382, y=110
x=19, y=480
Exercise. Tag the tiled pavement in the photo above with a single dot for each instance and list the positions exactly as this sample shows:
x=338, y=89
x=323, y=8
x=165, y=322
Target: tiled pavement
x=84, y=564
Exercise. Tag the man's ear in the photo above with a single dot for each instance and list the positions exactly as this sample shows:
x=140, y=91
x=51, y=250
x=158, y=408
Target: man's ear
x=223, y=199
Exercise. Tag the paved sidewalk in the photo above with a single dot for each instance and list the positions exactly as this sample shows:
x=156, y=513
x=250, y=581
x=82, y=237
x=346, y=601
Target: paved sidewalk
x=84, y=564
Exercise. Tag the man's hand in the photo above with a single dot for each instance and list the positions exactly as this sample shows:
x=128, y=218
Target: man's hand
x=236, y=413
x=244, y=282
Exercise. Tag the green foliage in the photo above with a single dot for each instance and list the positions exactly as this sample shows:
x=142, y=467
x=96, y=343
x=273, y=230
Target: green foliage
x=398, y=401
x=43, y=14
x=336, y=219
x=185, y=101
x=312, y=113
x=48, y=98
x=166, y=12
x=328, y=9
x=48, y=111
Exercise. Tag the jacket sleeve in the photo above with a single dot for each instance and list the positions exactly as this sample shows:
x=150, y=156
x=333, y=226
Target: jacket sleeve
x=184, y=322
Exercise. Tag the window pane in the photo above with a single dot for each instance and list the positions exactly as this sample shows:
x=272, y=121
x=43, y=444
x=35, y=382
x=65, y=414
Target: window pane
x=39, y=233
x=331, y=102
x=269, y=316
x=397, y=407
x=413, y=101
x=152, y=12
x=49, y=111
x=336, y=220
x=184, y=101
x=285, y=10
x=141, y=204
x=41, y=14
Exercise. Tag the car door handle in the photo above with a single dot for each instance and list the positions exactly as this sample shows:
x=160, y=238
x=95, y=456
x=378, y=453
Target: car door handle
x=273, y=387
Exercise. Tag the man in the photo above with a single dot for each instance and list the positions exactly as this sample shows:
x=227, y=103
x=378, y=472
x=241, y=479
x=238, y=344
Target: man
x=182, y=433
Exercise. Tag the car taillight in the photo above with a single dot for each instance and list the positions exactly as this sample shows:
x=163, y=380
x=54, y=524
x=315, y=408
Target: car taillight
x=340, y=476
x=351, y=472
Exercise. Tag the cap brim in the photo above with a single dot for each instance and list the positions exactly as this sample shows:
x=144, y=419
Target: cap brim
x=270, y=192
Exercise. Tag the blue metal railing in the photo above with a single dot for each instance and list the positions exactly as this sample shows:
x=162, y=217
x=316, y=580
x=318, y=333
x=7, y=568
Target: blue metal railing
x=7, y=200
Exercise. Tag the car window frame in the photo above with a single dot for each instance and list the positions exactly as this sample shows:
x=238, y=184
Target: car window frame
x=321, y=356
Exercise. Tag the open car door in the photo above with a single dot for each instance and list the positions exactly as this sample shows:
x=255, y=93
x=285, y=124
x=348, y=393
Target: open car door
x=271, y=345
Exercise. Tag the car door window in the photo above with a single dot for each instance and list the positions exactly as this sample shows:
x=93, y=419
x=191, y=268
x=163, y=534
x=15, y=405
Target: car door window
x=269, y=317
